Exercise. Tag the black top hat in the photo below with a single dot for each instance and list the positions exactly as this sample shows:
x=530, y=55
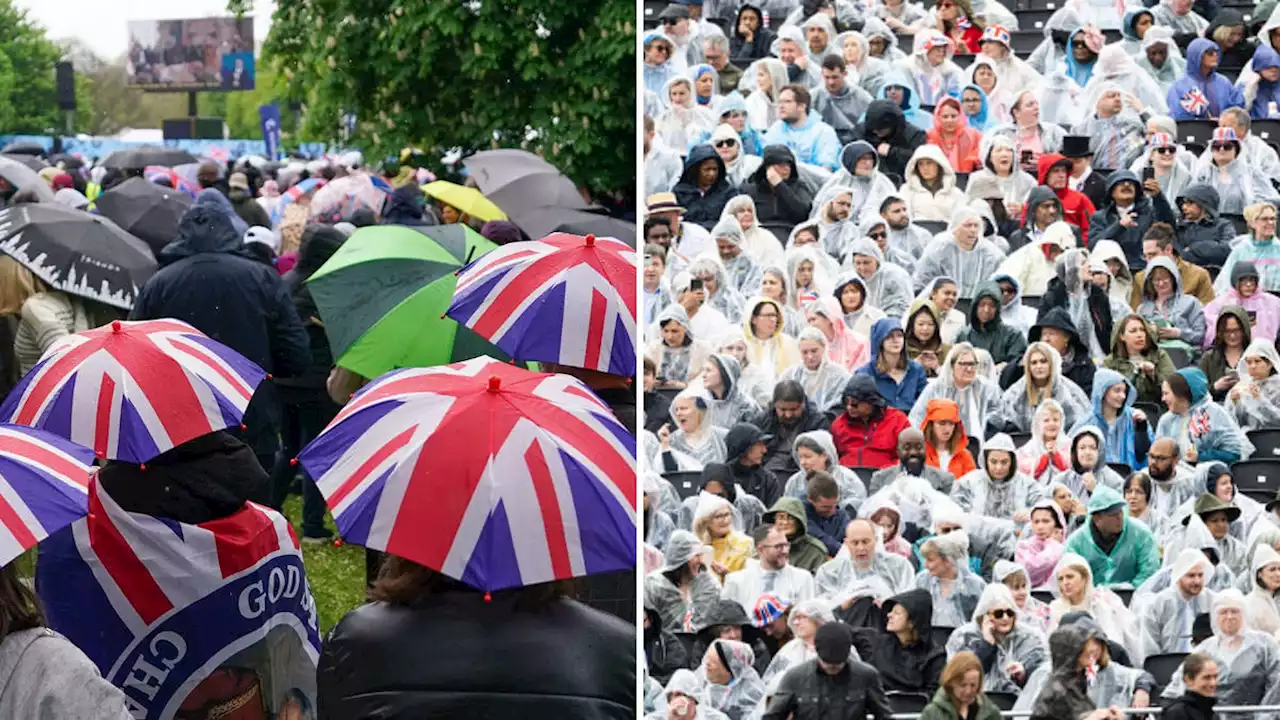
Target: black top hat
x=1076, y=146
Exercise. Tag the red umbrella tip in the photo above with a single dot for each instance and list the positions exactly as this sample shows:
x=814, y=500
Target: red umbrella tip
x=143, y=466
x=115, y=326
x=444, y=316
x=243, y=427
x=495, y=383
x=270, y=376
x=488, y=598
x=101, y=454
x=293, y=462
x=337, y=543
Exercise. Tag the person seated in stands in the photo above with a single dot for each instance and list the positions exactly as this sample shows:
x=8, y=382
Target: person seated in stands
x=930, y=189
x=825, y=518
x=943, y=292
x=955, y=589
x=1258, y=246
x=816, y=452
x=946, y=444
x=1262, y=307
x=1133, y=207
x=1127, y=430
x=811, y=140
x=779, y=193
x=1032, y=264
x=1202, y=427
x=1046, y=453
x=924, y=337
x=1054, y=171
x=1043, y=208
x=1248, y=661
x=866, y=433
x=1087, y=306
x=1042, y=381
x=1202, y=93
x=703, y=187
x=958, y=380
x=904, y=652
x=1177, y=317
x=1232, y=334
x=988, y=330
x=912, y=466
x=1040, y=550
x=997, y=489
x=1088, y=472
x=999, y=633
x=1078, y=592
x=1162, y=240
x=1237, y=179
x=1138, y=358
x=1168, y=617
x=1204, y=236
x=899, y=379
x=789, y=517
x=679, y=356
x=1255, y=401
x=961, y=253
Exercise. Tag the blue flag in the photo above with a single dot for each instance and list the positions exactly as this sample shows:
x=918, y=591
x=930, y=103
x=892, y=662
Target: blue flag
x=270, y=115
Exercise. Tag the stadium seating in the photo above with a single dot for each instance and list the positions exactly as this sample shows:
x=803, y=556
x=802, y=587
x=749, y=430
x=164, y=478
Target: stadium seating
x=687, y=484
x=1266, y=443
x=1162, y=667
x=1258, y=479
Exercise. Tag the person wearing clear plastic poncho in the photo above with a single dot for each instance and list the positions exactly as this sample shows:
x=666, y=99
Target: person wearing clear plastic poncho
x=658, y=525
x=758, y=242
x=862, y=569
x=804, y=620
x=833, y=211
x=1248, y=660
x=682, y=118
x=888, y=285
x=674, y=349
x=860, y=68
x=958, y=381
x=1074, y=591
x=1237, y=178
x=1202, y=428
x=1158, y=46
x=1116, y=65
x=1010, y=648
x=1255, y=401
x=1163, y=153
x=1212, y=515
x=1032, y=613
x=742, y=271
x=810, y=273
x=728, y=403
x=860, y=174
x=1043, y=380
x=960, y=253
x=955, y=589
x=775, y=285
x=1102, y=683
x=732, y=685
x=684, y=697
x=721, y=292
x=684, y=588
x=692, y=431
x=1088, y=469
x=1178, y=317
x=1262, y=604
x=1197, y=538
x=823, y=381
x=1169, y=616
x=997, y=489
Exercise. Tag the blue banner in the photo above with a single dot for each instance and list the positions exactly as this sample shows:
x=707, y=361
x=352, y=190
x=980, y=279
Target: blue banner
x=100, y=147
x=270, y=115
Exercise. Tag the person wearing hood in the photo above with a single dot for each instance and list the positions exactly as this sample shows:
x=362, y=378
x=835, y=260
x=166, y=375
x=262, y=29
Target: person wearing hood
x=887, y=284
x=767, y=345
x=934, y=75
x=1107, y=257
x=1258, y=247
x=740, y=158
x=999, y=164
x=788, y=415
x=1040, y=550
x=1032, y=264
x=822, y=379
x=1248, y=660
x=903, y=652
x=1134, y=207
x=960, y=253
x=663, y=651
x=845, y=348
x=706, y=86
x=997, y=490
x=770, y=76
x=1007, y=644
x=902, y=232
x=865, y=434
x=803, y=620
x=777, y=190
x=924, y=336
x=946, y=576
x=1054, y=171
x=867, y=71
x=1179, y=16
x=946, y=444
x=1227, y=29
x=1232, y=334
x=745, y=447
x=749, y=39
x=1201, y=427
x=838, y=102
x=930, y=190
x=1057, y=329
x=1076, y=654
x=1161, y=58
x=1168, y=617
x=1261, y=91
x=758, y=243
x=1193, y=279
x=685, y=695
x=1076, y=591
x=682, y=118
x=678, y=355
x=1042, y=209
x=1204, y=237
x=1161, y=154
x=1033, y=613
x=815, y=451
x=1042, y=380
x=1083, y=46
x=895, y=140
x=976, y=107
x=978, y=398
x=987, y=330
x=951, y=133
x=1262, y=604
x=859, y=174
x=789, y=517
x=1238, y=179
x=774, y=285
x=1088, y=469
x=1201, y=93
x=719, y=292
x=1012, y=311
x=1110, y=681
x=1127, y=432
x=658, y=68
x=713, y=524
x=897, y=378
x=1133, y=28
x=1086, y=305
x=851, y=295
x=898, y=89
x=704, y=187
x=1255, y=401
x=1138, y=358
x=213, y=198
x=741, y=271
x=733, y=685
x=1117, y=549
x=694, y=434
x=1263, y=308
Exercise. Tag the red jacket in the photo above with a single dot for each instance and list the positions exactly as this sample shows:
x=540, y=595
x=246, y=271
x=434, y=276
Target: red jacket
x=869, y=445
x=1076, y=208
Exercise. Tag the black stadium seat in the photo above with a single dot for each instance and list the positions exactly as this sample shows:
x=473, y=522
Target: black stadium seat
x=907, y=703
x=1020, y=439
x=1258, y=479
x=864, y=473
x=687, y=484
x=1180, y=357
x=975, y=447
x=1162, y=667
x=1032, y=301
x=1196, y=131
x=932, y=226
x=1124, y=594
x=1026, y=41
x=941, y=635
x=1237, y=221
x=1003, y=700
x=1044, y=596
x=1266, y=442
x=1121, y=469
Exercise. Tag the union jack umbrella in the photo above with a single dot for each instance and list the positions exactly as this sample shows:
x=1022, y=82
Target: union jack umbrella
x=133, y=390
x=44, y=487
x=563, y=299
x=495, y=476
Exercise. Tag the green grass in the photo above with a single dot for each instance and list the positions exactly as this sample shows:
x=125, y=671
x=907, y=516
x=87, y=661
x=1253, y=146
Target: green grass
x=336, y=574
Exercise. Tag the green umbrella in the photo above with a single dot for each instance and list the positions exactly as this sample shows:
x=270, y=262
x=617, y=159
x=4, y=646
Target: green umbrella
x=383, y=295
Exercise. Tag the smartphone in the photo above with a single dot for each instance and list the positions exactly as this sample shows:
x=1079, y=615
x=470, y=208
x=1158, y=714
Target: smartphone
x=1253, y=316
x=1148, y=173
x=1027, y=157
x=695, y=284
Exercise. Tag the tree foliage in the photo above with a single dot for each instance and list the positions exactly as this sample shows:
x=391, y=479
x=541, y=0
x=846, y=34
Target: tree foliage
x=555, y=78
x=26, y=74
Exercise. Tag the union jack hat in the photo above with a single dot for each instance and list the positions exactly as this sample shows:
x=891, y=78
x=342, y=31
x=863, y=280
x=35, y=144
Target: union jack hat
x=1161, y=140
x=995, y=33
x=768, y=608
x=936, y=40
x=1224, y=135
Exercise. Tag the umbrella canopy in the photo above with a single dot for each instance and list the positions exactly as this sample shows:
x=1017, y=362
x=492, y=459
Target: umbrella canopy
x=492, y=169
x=139, y=158
x=292, y=195
x=465, y=199
x=517, y=181
x=540, y=222
x=78, y=253
x=349, y=194
x=177, y=180
x=493, y=475
x=564, y=299
x=67, y=161
x=383, y=296
x=133, y=390
x=149, y=211
x=23, y=178
x=44, y=483
x=23, y=147
x=32, y=161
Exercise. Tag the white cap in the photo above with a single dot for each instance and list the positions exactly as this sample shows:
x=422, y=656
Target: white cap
x=264, y=235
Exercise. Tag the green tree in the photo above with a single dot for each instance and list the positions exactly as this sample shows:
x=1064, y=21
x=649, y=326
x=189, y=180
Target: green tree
x=555, y=78
x=28, y=89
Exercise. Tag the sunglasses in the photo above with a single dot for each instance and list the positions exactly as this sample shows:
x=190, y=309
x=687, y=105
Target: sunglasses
x=1167, y=150
x=1007, y=291
x=726, y=143
x=878, y=235
x=1078, y=44
x=1002, y=613
x=1223, y=146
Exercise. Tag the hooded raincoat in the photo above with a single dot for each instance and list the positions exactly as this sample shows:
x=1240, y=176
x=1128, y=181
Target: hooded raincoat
x=705, y=443
x=760, y=244
x=1017, y=401
x=733, y=405
x=1261, y=98
x=742, y=271
x=1262, y=606
x=924, y=204
x=944, y=256
x=852, y=490
x=677, y=124
x=1024, y=644
x=1040, y=556
x=812, y=140
x=787, y=202
x=913, y=668
x=726, y=299
x=1107, y=609
x=1206, y=425
x=1147, y=386
x=1014, y=312
x=952, y=607
x=979, y=493
x=1120, y=287
x=703, y=207
x=860, y=320
x=1005, y=342
x=1134, y=557
x=889, y=287
x=1017, y=184
x=960, y=147
x=906, y=133
x=682, y=364
x=1030, y=264
x=871, y=442
x=1196, y=96
x=957, y=463
x=933, y=83
x=743, y=696
x=1179, y=310
x=868, y=190
x=1169, y=616
x=1257, y=405
x=979, y=401
x=775, y=353
x=824, y=385
x=1113, y=683
x=901, y=394
x=1074, y=477
x=681, y=612
x=1126, y=440
x=1240, y=183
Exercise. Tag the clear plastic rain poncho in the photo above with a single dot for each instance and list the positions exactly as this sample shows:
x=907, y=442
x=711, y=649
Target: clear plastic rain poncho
x=1248, y=661
x=758, y=242
x=681, y=613
x=978, y=401
x=1203, y=541
x=867, y=191
x=680, y=122
x=886, y=575
x=1107, y=609
x=793, y=319
x=1113, y=683
x=824, y=385
x=1047, y=55
x=1073, y=476
x=1262, y=606
x=797, y=651
x=1240, y=183
x=658, y=524
x=734, y=406
x=726, y=297
x=820, y=273
x=1024, y=644
x=852, y=491
x=742, y=270
x=1018, y=409
x=1169, y=617
x=743, y=697
x=1261, y=411
x=1232, y=553
x=703, y=441
x=1067, y=269
x=981, y=494
x=1032, y=613
x=944, y=256
x=954, y=608
x=889, y=288
x=684, y=682
x=1116, y=65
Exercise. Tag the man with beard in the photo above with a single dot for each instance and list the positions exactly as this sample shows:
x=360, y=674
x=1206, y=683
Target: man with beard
x=833, y=216
x=888, y=286
x=1172, y=483
x=790, y=414
x=902, y=233
x=911, y=463
x=1168, y=619
x=768, y=574
x=825, y=518
x=745, y=451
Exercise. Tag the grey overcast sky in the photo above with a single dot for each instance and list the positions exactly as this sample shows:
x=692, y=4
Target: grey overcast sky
x=103, y=25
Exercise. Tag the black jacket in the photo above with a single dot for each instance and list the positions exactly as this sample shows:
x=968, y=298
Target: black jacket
x=703, y=208
x=779, y=458
x=1239, y=55
x=1038, y=196
x=1055, y=298
x=1079, y=368
x=407, y=206
x=808, y=693
x=319, y=243
x=662, y=649
x=232, y=299
x=789, y=201
x=744, y=51
x=1097, y=188
x=657, y=411
x=1105, y=223
x=915, y=668
x=902, y=142
x=729, y=612
x=247, y=208
x=1208, y=240
x=756, y=480
x=1191, y=706
x=200, y=480
x=454, y=655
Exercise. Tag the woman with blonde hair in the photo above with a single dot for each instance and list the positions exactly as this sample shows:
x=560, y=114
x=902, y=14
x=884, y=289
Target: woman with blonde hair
x=45, y=314
x=713, y=525
x=1074, y=591
x=1043, y=380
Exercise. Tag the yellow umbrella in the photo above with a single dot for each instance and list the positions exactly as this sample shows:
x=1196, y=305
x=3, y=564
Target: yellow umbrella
x=465, y=199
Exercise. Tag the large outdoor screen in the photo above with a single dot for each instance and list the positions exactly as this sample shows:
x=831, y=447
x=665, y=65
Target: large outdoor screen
x=196, y=54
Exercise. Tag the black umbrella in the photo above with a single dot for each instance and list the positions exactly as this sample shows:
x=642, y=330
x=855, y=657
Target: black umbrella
x=69, y=162
x=75, y=252
x=22, y=147
x=24, y=178
x=149, y=211
x=31, y=161
x=541, y=222
x=140, y=158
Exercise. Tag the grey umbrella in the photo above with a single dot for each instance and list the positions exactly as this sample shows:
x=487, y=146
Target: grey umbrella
x=518, y=181
x=23, y=147
x=31, y=161
x=25, y=179
x=139, y=158
x=540, y=222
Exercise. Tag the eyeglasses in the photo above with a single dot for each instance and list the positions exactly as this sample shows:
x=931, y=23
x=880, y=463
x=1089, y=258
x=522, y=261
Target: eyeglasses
x=775, y=545
x=882, y=235
x=968, y=364
x=772, y=315
x=1002, y=613
x=722, y=515
x=726, y=143
x=1167, y=150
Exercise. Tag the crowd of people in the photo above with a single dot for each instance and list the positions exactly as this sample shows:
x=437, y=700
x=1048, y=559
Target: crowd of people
x=924, y=342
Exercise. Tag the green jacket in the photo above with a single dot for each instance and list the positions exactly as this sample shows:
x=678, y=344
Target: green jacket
x=1004, y=342
x=807, y=551
x=1135, y=557
x=942, y=709
x=1148, y=387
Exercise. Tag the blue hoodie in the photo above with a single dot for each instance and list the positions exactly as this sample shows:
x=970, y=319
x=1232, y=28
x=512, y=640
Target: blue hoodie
x=910, y=104
x=814, y=142
x=1212, y=430
x=1078, y=71
x=1267, y=93
x=901, y=395
x=752, y=143
x=1216, y=88
x=1121, y=441
x=980, y=122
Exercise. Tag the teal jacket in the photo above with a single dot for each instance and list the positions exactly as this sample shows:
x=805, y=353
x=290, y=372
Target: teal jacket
x=1135, y=556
